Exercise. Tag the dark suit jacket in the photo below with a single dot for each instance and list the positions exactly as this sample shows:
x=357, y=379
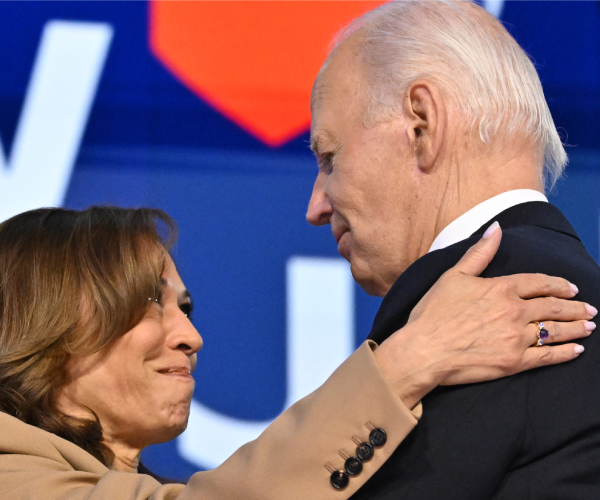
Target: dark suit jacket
x=535, y=435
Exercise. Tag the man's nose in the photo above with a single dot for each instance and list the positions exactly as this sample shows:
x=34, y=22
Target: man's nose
x=319, y=208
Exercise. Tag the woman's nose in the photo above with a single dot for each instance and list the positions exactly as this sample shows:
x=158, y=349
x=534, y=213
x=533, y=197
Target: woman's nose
x=184, y=336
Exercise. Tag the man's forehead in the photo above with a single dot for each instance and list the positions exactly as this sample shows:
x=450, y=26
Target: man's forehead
x=318, y=92
x=334, y=107
x=339, y=72
x=336, y=94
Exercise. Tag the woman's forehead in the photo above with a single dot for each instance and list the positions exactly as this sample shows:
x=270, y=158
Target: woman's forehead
x=171, y=279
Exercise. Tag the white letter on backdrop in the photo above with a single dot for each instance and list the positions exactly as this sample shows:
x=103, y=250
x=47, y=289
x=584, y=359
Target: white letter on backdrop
x=494, y=7
x=320, y=336
x=59, y=97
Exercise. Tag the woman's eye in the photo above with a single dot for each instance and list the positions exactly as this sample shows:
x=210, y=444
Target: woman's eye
x=187, y=310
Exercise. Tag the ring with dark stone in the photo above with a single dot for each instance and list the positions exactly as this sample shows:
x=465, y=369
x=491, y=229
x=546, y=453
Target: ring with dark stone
x=542, y=334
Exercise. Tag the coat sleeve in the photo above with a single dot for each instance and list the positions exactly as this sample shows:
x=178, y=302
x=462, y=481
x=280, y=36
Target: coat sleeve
x=291, y=460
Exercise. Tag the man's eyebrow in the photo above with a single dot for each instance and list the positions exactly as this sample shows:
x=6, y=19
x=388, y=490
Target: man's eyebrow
x=317, y=139
x=314, y=144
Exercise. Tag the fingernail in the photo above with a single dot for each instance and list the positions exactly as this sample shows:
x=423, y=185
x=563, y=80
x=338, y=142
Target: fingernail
x=491, y=230
x=579, y=349
x=590, y=326
x=574, y=289
x=591, y=310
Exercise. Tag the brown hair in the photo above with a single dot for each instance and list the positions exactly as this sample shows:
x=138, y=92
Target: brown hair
x=71, y=282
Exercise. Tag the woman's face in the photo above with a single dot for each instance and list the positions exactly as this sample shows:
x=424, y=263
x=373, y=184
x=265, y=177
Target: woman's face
x=141, y=386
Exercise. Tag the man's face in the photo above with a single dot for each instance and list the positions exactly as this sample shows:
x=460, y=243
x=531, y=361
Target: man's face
x=367, y=186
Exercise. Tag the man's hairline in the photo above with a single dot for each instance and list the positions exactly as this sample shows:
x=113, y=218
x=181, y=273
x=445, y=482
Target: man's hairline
x=365, y=93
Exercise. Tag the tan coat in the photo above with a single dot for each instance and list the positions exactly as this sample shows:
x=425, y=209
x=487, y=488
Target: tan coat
x=289, y=461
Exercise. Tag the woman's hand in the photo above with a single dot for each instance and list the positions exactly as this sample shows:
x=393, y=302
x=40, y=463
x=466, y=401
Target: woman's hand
x=469, y=329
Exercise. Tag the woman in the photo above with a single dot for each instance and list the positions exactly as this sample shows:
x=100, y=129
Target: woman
x=97, y=351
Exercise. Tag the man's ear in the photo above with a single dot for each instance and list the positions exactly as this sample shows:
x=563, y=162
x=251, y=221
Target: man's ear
x=425, y=112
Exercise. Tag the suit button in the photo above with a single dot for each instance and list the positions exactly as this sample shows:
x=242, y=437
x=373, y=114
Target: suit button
x=339, y=479
x=353, y=466
x=378, y=437
x=365, y=451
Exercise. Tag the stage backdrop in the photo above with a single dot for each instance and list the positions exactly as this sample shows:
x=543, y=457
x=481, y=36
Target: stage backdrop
x=202, y=109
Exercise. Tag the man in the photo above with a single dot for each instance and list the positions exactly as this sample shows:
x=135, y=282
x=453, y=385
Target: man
x=429, y=123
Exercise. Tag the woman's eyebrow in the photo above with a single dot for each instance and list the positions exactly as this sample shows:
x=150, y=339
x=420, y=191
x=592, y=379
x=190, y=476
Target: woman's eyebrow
x=186, y=294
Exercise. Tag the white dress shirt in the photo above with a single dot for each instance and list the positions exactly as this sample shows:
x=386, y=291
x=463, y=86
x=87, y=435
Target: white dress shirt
x=469, y=222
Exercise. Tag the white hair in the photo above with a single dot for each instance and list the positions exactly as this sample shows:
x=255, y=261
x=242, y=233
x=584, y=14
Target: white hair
x=472, y=58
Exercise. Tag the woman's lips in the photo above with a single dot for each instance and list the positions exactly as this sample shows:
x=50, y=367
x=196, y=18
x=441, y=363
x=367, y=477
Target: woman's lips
x=176, y=371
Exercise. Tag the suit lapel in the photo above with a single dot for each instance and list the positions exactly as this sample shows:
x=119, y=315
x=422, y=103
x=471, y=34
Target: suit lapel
x=410, y=287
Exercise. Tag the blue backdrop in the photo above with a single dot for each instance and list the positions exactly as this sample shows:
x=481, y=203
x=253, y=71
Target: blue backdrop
x=245, y=250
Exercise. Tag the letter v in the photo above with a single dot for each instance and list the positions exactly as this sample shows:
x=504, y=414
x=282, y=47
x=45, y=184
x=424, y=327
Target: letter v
x=63, y=84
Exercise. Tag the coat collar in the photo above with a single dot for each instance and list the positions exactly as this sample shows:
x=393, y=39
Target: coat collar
x=535, y=213
x=410, y=287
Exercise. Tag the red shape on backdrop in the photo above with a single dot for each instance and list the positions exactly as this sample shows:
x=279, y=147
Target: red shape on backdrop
x=254, y=61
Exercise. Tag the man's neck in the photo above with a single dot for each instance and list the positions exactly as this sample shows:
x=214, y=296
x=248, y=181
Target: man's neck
x=469, y=222
x=469, y=184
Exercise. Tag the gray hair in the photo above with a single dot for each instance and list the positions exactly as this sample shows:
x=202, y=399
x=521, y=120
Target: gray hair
x=472, y=58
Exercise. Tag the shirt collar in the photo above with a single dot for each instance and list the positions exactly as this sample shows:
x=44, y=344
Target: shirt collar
x=469, y=222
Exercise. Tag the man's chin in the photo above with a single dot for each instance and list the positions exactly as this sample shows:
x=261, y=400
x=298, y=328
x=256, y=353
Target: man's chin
x=367, y=281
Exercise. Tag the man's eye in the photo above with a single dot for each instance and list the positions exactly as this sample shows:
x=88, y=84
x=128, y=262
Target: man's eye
x=326, y=163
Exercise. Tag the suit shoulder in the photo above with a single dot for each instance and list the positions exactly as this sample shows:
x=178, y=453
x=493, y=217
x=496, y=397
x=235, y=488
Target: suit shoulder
x=531, y=249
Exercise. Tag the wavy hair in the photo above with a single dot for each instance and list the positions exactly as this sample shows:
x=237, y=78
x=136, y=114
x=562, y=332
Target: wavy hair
x=71, y=282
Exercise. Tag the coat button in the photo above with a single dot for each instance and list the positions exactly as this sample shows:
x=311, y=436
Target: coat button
x=378, y=437
x=365, y=451
x=339, y=479
x=353, y=466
